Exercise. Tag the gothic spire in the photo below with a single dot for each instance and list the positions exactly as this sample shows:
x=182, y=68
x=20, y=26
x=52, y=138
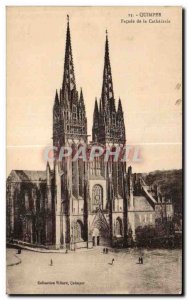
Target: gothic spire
x=95, y=128
x=96, y=109
x=56, y=102
x=107, y=86
x=81, y=104
x=120, y=110
x=81, y=97
x=69, y=83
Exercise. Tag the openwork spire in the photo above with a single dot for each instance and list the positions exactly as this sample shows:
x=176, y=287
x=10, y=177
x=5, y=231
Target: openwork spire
x=108, y=124
x=69, y=116
x=69, y=83
x=107, y=86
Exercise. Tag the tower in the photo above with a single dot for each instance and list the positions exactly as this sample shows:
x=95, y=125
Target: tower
x=69, y=117
x=69, y=130
x=107, y=178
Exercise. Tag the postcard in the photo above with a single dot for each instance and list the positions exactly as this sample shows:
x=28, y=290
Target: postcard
x=94, y=150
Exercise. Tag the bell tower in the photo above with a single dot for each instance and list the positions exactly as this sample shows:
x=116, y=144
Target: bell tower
x=69, y=117
x=69, y=130
x=109, y=130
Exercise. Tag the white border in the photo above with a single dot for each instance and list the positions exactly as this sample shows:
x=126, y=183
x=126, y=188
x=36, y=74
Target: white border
x=3, y=4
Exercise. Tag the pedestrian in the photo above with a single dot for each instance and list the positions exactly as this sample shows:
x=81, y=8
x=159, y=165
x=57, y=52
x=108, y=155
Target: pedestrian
x=103, y=250
x=113, y=261
x=106, y=250
x=51, y=262
x=139, y=260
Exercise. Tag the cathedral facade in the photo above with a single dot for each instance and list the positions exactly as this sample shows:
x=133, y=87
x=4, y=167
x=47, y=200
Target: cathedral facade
x=78, y=203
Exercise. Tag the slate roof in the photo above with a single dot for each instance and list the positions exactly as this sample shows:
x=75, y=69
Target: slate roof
x=25, y=175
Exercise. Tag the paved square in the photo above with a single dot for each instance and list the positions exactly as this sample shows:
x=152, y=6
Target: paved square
x=91, y=272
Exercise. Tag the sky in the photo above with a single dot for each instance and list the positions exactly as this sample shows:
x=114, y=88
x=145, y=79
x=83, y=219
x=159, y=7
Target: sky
x=146, y=62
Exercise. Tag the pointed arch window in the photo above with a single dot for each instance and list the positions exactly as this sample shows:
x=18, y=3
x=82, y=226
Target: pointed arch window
x=113, y=119
x=74, y=112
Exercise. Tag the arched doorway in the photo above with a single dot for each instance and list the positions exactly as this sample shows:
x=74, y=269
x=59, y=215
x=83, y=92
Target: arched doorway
x=79, y=231
x=96, y=237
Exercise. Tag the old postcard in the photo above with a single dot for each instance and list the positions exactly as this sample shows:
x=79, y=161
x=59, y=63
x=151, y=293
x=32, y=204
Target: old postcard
x=94, y=150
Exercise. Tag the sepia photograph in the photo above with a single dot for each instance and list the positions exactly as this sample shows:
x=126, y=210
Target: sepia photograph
x=94, y=200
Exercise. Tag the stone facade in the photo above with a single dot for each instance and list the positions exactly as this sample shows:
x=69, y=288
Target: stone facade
x=77, y=203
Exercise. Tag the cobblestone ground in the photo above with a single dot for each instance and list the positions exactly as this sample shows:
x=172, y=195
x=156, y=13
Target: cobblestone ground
x=91, y=272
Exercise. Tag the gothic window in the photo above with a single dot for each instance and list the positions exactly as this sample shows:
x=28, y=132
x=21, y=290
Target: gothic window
x=120, y=178
x=74, y=172
x=26, y=201
x=113, y=119
x=97, y=196
x=74, y=113
x=81, y=174
x=119, y=227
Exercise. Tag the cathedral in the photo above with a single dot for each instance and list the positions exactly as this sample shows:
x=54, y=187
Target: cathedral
x=82, y=204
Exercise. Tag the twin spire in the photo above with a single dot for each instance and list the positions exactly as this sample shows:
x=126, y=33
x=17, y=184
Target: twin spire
x=69, y=82
x=105, y=113
x=108, y=123
x=107, y=95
